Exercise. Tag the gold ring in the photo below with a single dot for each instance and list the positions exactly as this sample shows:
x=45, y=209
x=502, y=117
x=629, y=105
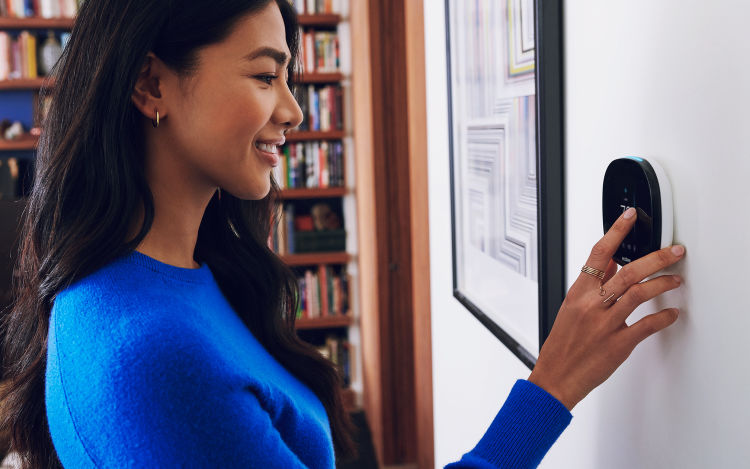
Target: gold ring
x=608, y=298
x=592, y=271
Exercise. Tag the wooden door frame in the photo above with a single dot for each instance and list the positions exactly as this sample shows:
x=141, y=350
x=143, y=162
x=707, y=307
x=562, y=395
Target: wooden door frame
x=390, y=138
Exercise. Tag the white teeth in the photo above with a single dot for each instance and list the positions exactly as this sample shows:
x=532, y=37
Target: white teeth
x=266, y=147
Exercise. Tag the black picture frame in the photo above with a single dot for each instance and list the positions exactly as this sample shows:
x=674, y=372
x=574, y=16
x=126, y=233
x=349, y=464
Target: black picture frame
x=550, y=144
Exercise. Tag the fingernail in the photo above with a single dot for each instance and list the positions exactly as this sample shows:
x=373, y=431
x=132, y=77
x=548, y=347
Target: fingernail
x=677, y=279
x=678, y=250
x=629, y=213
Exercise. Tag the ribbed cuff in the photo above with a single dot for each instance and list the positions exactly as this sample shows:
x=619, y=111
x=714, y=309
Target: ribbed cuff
x=524, y=429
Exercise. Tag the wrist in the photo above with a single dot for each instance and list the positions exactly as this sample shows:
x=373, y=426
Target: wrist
x=539, y=380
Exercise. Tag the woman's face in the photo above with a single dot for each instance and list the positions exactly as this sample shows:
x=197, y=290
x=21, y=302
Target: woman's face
x=232, y=114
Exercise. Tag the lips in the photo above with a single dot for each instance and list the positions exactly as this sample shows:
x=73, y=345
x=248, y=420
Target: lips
x=269, y=150
x=266, y=147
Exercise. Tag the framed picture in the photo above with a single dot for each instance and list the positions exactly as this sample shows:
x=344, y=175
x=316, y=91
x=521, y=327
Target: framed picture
x=507, y=181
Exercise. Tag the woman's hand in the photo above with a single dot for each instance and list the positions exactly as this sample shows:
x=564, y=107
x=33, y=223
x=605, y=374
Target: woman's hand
x=590, y=338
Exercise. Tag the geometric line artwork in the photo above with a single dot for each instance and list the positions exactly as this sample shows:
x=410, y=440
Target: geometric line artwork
x=501, y=202
x=520, y=45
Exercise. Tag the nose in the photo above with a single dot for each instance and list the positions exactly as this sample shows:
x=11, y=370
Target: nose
x=288, y=112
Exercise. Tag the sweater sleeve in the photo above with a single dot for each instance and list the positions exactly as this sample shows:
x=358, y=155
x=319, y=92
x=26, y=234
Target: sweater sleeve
x=153, y=400
x=523, y=431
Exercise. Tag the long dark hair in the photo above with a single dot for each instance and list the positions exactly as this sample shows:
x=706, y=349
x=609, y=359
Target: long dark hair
x=90, y=184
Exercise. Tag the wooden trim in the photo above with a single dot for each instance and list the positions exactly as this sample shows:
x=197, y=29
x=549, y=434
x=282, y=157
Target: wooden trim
x=315, y=258
x=420, y=230
x=368, y=247
x=27, y=83
x=324, y=322
x=394, y=226
x=319, y=20
x=307, y=78
x=24, y=142
x=36, y=23
x=312, y=193
x=303, y=135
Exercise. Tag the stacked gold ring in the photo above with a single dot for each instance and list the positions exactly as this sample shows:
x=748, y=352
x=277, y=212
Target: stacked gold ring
x=592, y=271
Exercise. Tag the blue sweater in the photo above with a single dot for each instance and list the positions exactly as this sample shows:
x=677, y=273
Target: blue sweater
x=149, y=366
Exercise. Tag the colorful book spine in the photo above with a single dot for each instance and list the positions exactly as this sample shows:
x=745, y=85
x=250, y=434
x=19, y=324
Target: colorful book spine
x=311, y=164
x=4, y=55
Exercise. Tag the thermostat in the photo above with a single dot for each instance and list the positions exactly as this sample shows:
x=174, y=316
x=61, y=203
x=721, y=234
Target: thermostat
x=635, y=182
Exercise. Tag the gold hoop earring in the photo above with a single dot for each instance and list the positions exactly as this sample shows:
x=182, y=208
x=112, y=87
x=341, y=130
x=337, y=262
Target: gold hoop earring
x=156, y=124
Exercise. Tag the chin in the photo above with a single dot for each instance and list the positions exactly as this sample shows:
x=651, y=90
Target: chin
x=257, y=194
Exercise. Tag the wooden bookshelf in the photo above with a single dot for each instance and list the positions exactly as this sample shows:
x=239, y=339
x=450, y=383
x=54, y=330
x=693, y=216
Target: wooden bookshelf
x=312, y=193
x=319, y=20
x=324, y=322
x=26, y=83
x=309, y=78
x=25, y=142
x=36, y=23
x=314, y=258
x=302, y=135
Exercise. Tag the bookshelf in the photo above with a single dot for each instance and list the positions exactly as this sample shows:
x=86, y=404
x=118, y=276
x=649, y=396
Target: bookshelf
x=306, y=135
x=19, y=97
x=318, y=29
x=321, y=78
x=317, y=258
x=325, y=323
x=36, y=23
x=25, y=142
x=320, y=20
x=318, y=193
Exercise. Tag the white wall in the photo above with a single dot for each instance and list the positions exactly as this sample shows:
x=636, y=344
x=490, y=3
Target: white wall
x=664, y=80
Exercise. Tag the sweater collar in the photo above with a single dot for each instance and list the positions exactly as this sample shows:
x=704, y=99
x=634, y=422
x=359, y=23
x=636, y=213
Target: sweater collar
x=200, y=275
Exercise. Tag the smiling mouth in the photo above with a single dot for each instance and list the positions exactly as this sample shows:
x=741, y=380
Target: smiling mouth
x=268, y=148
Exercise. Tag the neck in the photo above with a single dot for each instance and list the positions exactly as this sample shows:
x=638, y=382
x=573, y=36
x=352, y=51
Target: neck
x=180, y=200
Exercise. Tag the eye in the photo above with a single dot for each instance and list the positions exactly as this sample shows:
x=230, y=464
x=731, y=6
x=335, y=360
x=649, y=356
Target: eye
x=267, y=79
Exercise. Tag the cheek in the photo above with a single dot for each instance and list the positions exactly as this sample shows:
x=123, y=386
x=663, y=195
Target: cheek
x=227, y=110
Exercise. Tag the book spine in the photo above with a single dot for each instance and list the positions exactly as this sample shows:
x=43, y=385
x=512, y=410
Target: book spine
x=69, y=8
x=309, y=52
x=340, y=164
x=323, y=278
x=329, y=280
x=16, y=60
x=33, y=73
x=309, y=165
x=305, y=297
x=339, y=97
x=324, y=158
x=325, y=110
x=308, y=288
x=316, y=295
x=316, y=162
x=23, y=43
x=289, y=219
x=4, y=55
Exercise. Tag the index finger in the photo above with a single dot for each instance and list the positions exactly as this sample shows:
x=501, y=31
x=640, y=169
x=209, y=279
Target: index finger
x=603, y=250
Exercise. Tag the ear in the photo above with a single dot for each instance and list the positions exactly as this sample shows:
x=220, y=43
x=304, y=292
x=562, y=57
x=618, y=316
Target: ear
x=147, y=93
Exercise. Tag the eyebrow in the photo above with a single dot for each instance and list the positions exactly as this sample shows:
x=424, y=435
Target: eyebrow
x=279, y=56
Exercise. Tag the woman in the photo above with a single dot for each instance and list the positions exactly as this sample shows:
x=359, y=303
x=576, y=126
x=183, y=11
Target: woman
x=152, y=325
